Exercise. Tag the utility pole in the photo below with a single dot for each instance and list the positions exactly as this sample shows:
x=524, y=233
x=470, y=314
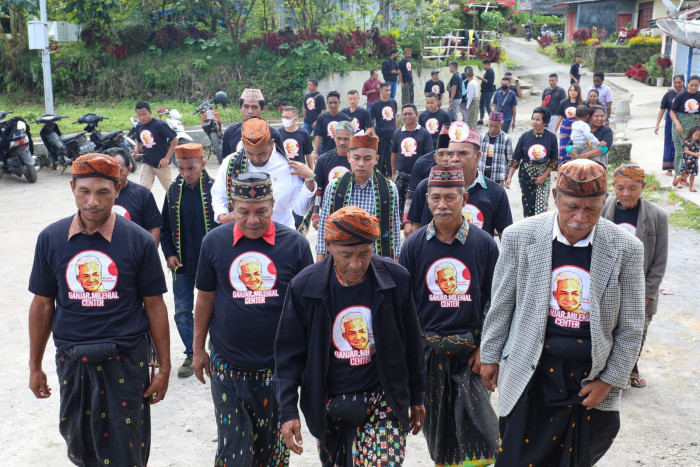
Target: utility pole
x=46, y=63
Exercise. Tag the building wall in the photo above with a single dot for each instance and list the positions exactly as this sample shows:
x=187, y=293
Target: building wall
x=603, y=15
x=680, y=60
x=545, y=7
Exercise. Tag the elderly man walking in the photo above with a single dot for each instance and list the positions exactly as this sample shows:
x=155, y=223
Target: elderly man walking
x=243, y=273
x=98, y=286
x=565, y=326
x=349, y=337
x=649, y=223
x=451, y=265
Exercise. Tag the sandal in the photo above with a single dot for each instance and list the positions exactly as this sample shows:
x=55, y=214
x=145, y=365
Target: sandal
x=693, y=190
x=675, y=181
x=637, y=381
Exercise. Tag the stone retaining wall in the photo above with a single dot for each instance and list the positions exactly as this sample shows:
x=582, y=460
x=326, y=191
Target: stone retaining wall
x=614, y=59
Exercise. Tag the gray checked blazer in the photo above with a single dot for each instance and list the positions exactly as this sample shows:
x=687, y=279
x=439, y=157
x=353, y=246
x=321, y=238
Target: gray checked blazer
x=652, y=231
x=514, y=328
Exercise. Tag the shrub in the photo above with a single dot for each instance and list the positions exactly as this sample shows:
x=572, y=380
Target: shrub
x=135, y=37
x=169, y=37
x=545, y=41
x=641, y=41
x=637, y=72
x=582, y=35
x=489, y=52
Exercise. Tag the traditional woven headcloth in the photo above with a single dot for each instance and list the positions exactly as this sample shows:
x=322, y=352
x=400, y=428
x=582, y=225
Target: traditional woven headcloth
x=251, y=187
x=351, y=226
x=496, y=116
x=189, y=151
x=582, y=178
x=364, y=141
x=446, y=176
x=96, y=165
x=631, y=171
x=255, y=132
x=443, y=139
x=252, y=95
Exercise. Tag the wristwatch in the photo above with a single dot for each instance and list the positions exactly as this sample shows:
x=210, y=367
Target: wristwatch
x=310, y=179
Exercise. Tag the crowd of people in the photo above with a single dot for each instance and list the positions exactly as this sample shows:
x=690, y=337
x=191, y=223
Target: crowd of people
x=412, y=311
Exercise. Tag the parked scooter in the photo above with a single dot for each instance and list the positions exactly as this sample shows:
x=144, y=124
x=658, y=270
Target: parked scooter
x=528, y=31
x=622, y=37
x=16, y=148
x=560, y=35
x=173, y=121
x=211, y=122
x=113, y=139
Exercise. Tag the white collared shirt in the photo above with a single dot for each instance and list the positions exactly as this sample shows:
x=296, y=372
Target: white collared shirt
x=403, y=128
x=289, y=191
x=558, y=236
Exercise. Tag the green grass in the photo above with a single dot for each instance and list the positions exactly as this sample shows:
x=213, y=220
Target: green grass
x=687, y=214
x=116, y=113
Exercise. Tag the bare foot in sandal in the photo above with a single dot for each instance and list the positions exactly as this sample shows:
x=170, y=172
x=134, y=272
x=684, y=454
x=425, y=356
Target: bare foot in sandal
x=637, y=381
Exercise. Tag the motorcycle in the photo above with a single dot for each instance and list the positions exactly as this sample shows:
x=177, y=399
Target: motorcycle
x=622, y=37
x=16, y=148
x=560, y=35
x=211, y=122
x=173, y=121
x=528, y=32
x=112, y=139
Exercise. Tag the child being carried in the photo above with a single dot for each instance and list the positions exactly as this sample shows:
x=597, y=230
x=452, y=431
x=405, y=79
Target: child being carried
x=581, y=137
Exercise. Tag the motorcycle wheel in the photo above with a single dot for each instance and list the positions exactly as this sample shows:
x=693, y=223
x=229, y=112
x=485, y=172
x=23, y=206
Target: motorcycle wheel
x=30, y=173
x=216, y=145
x=173, y=159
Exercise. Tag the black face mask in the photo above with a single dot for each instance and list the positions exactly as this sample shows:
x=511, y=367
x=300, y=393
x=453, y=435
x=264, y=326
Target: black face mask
x=505, y=87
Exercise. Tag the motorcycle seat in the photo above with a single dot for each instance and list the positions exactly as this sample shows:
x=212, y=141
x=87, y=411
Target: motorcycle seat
x=71, y=136
x=48, y=118
x=110, y=135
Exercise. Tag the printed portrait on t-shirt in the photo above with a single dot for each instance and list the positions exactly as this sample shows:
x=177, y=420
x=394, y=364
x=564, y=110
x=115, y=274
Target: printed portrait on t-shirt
x=432, y=125
x=91, y=277
x=448, y=281
x=570, y=112
x=489, y=151
x=253, y=276
x=459, y=131
x=436, y=89
x=355, y=124
x=387, y=113
x=537, y=152
x=409, y=67
x=291, y=147
x=121, y=211
x=691, y=106
x=336, y=172
x=311, y=103
x=147, y=139
x=473, y=215
x=331, y=129
x=409, y=147
x=352, y=336
x=570, y=302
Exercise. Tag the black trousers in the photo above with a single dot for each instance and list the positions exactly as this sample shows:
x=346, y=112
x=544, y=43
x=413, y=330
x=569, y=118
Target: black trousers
x=384, y=151
x=402, y=181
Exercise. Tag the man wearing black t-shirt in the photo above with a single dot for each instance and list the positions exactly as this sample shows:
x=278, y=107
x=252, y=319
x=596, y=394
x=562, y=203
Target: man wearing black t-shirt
x=451, y=265
x=135, y=202
x=408, y=144
x=433, y=118
x=435, y=85
x=187, y=217
x=359, y=116
x=575, y=71
x=244, y=269
x=332, y=165
x=552, y=98
x=488, y=87
x=252, y=104
x=383, y=112
x=390, y=71
x=454, y=90
x=488, y=207
x=349, y=339
x=157, y=141
x=314, y=105
x=324, y=132
x=296, y=142
x=406, y=77
x=98, y=288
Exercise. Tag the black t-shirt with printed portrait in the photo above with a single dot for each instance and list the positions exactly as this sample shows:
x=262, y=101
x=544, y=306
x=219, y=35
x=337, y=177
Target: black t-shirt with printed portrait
x=232, y=139
x=409, y=145
x=360, y=118
x=352, y=366
x=250, y=279
x=686, y=102
x=451, y=283
x=98, y=285
x=627, y=218
x=329, y=167
x=569, y=302
x=438, y=87
x=406, y=69
x=314, y=103
x=136, y=203
x=564, y=111
x=433, y=122
x=325, y=128
x=384, y=116
x=155, y=138
x=296, y=145
x=537, y=149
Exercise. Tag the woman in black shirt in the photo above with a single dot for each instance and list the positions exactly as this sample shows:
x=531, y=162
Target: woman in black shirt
x=685, y=113
x=669, y=151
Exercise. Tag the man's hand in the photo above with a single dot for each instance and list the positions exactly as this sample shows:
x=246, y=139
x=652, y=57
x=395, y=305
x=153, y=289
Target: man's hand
x=173, y=263
x=506, y=184
x=416, y=418
x=513, y=125
x=159, y=386
x=200, y=365
x=407, y=228
x=226, y=218
x=594, y=393
x=489, y=375
x=164, y=163
x=300, y=170
x=314, y=220
x=475, y=361
x=291, y=432
x=38, y=384
x=315, y=156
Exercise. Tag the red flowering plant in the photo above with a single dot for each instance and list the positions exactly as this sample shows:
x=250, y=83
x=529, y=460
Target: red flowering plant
x=582, y=35
x=545, y=41
x=637, y=72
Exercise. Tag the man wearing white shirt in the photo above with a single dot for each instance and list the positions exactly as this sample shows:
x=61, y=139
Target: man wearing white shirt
x=605, y=95
x=293, y=182
x=470, y=101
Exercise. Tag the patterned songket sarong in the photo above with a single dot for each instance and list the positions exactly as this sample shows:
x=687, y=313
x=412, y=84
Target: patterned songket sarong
x=535, y=197
x=687, y=122
x=461, y=426
x=362, y=431
x=548, y=425
x=105, y=419
x=473, y=113
x=247, y=416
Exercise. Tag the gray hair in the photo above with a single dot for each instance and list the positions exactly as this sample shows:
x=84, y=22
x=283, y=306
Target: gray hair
x=345, y=126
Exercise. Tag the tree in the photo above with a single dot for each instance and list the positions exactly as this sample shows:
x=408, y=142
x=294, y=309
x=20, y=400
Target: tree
x=13, y=54
x=92, y=13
